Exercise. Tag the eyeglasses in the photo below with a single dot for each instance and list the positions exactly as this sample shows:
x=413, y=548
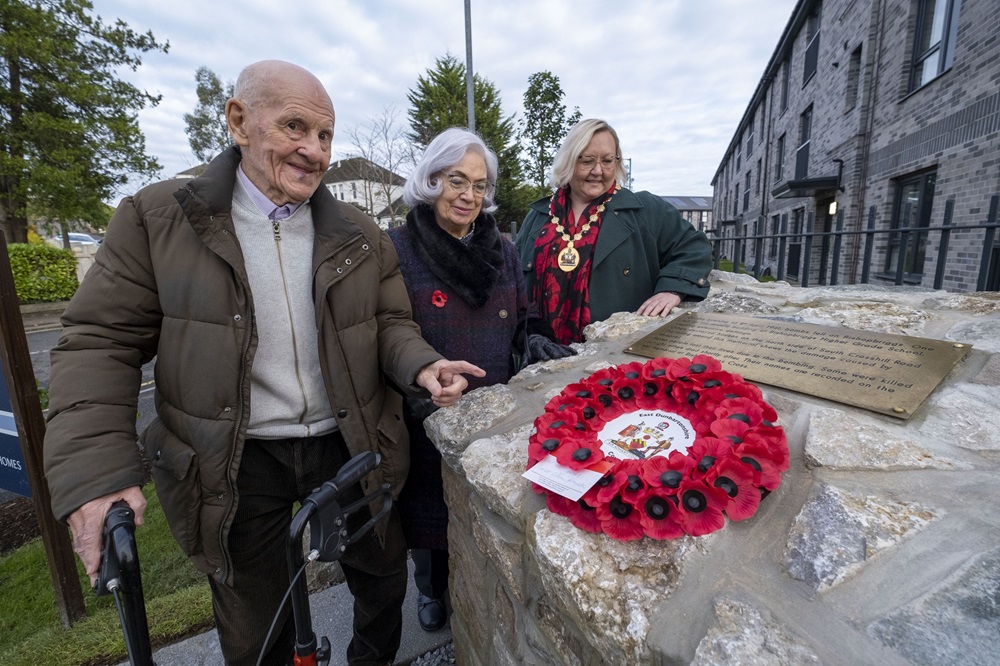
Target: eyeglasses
x=607, y=163
x=459, y=184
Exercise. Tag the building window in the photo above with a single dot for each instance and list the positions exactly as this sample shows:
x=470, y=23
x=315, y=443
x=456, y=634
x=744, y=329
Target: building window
x=354, y=191
x=759, y=163
x=736, y=201
x=802, y=153
x=933, y=40
x=750, y=127
x=739, y=154
x=746, y=192
x=785, y=73
x=760, y=130
x=911, y=209
x=772, y=252
x=779, y=159
x=853, y=80
x=812, y=48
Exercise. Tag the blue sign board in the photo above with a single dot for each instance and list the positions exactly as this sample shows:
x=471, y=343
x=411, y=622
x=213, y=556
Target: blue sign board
x=13, y=472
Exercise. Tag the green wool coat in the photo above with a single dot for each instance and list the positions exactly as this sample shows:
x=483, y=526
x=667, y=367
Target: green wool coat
x=644, y=247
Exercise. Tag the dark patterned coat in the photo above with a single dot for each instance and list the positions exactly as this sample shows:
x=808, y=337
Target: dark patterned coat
x=484, y=298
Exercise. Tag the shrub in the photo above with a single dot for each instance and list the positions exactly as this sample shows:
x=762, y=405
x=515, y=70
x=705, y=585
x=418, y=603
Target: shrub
x=42, y=273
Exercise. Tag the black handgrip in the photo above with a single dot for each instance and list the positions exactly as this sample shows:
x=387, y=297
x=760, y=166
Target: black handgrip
x=119, y=528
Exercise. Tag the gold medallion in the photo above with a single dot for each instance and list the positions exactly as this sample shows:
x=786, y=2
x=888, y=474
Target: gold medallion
x=569, y=259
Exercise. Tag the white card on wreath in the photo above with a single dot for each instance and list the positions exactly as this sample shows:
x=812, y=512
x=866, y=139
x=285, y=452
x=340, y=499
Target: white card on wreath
x=569, y=483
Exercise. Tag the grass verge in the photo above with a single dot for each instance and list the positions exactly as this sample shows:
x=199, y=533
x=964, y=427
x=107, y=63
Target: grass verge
x=178, y=603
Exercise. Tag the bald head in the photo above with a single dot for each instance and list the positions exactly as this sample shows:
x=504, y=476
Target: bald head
x=282, y=118
x=264, y=82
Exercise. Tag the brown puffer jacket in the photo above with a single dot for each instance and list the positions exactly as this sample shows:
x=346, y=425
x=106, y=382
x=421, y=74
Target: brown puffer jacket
x=169, y=281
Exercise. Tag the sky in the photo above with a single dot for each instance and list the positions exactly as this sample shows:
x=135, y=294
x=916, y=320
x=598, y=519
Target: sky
x=673, y=77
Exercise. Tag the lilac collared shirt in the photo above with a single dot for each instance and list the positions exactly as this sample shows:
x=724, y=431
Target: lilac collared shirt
x=274, y=212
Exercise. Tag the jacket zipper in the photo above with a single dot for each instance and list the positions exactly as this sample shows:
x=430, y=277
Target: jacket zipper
x=291, y=322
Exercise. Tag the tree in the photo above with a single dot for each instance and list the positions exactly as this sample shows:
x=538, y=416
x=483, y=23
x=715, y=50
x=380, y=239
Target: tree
x=439, y=101
x=544, y=124
x=385, y=152
x=69, y=134
x=207, y=130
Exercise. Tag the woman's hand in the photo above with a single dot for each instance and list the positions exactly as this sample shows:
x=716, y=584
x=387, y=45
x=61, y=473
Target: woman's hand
x=659, y=305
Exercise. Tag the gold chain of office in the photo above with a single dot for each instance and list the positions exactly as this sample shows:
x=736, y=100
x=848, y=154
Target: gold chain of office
x=569, y=256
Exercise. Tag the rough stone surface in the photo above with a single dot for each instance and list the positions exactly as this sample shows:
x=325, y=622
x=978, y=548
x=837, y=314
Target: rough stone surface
x=982, y=332
x=494, y=465
x=744, y=635
x=964, y=421
x=957, y=624
x=838, y=440
x=838, y=532
x=477, y=411
x=735, y=303
x=880, y=548
x=867, y=316
x=612, y=586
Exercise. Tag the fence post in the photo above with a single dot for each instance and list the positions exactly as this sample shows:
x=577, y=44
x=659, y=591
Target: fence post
x=904, y=239
x=758, y=247
x=869, y=246
x=984, y=263
x=942, y=262
x=836, y=248
x=737, y=250
x=717, y=249
x=807, y=251
x=781, y=247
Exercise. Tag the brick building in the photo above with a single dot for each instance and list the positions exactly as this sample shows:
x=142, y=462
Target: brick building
x=696, y=210
x=880, y=114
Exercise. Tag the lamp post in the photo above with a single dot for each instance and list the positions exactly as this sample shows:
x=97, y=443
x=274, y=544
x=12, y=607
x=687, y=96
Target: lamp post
x=469, y=78
x=628, y=177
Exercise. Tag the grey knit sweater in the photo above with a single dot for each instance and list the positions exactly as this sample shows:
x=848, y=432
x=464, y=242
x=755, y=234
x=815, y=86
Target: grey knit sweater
x=287, y=397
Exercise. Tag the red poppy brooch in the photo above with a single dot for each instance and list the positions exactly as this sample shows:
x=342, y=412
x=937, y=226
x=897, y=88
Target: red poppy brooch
x=439, y=298
x=663, y=448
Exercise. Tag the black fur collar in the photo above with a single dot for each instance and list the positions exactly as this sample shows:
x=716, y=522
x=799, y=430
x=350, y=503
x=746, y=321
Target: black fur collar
x=472, y=269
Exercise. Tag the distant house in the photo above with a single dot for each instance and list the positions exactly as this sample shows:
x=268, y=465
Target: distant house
x=371, y=188
x=696, y=210
x=193, y=172
x=392, y=215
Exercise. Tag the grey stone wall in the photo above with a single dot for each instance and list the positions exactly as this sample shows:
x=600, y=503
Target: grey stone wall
x=881, y=546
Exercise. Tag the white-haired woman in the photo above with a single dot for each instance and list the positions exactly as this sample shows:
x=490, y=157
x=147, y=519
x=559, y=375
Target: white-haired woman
x=594, y=248
x=465, y=287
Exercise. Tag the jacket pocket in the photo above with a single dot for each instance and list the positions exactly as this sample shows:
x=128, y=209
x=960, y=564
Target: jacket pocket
x=393, y=443
x=175, y=475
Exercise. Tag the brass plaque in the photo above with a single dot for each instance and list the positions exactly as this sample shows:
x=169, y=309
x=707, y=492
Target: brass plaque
x=885, y=373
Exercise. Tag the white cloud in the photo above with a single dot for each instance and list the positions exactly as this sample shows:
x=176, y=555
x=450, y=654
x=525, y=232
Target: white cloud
x=673, y=76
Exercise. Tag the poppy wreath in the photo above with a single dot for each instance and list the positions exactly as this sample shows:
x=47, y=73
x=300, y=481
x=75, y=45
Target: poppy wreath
x=734, y=457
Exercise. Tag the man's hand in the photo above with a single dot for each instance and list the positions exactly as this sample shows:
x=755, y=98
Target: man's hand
x=659, y=305
x=87, y=524
x=444, y=380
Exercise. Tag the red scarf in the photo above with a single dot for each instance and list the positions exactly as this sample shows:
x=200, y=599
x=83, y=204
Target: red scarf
x=563, y=297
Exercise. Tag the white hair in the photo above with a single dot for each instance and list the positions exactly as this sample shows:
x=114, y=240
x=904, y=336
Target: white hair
x=446, y=150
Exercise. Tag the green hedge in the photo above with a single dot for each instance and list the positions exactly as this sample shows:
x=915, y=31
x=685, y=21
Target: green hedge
x=42, y=273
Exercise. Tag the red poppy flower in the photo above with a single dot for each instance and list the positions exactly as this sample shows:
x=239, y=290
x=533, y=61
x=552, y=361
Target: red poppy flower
x=438, y=298
x=620, y=520
x=740, y=409
x=766, y=473
x=667, y=472
x=579, y=453
x=657, y=515
x=731, y=429
x=736, y=478
x=776, y=448
x=658, y=368
x=584, y=516
x=700, y=507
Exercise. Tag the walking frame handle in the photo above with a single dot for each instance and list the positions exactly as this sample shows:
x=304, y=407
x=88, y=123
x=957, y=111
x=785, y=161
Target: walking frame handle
x=329, y=538
x=120, y=577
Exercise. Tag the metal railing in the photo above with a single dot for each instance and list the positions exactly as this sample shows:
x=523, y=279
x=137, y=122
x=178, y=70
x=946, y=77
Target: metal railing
x=802, y=242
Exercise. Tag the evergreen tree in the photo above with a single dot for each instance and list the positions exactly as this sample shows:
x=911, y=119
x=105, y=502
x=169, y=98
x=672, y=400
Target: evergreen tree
x=207, y=130
x=544, y=125
x=69, y=135
x=439, y=101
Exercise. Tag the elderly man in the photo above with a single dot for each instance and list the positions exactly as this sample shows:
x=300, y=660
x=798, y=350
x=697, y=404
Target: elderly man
x=277, y=316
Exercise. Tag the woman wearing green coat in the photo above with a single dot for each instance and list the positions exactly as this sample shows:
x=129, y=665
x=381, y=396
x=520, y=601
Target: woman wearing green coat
x=594, y=248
